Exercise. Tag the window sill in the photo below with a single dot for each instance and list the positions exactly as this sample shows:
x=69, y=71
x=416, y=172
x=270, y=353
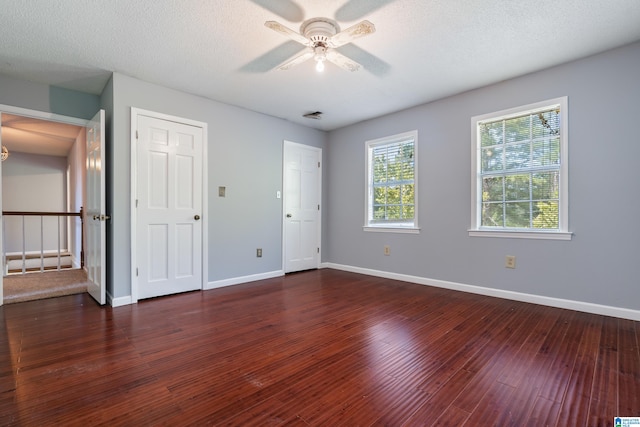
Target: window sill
x=544, y=235
x=404, y=230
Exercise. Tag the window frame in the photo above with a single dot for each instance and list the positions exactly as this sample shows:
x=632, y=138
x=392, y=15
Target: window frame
x=562, y=233
x=390, y=227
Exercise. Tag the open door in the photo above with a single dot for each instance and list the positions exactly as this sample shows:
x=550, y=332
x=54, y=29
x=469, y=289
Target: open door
x=1, y=229
x=96, y=218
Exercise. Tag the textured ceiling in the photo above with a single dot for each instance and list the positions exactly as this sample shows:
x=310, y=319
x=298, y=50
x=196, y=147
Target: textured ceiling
x=422, y=50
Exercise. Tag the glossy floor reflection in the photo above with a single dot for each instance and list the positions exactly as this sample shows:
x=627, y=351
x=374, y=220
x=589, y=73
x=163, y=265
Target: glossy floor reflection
x=322, y=347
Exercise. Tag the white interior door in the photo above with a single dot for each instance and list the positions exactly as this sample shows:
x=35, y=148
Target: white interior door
x=302, y=190
x=95, y=219
x=1, y=228
x=169, y=213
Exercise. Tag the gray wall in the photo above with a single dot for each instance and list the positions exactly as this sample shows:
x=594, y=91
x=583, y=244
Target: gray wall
x=106, y=103
x=76, y=164
x=244, y=155
x=34, y=183
x=42, y=97
x=599, y=265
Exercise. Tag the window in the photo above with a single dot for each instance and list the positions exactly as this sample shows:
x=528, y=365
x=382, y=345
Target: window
x=520, y=172
x=392, y=202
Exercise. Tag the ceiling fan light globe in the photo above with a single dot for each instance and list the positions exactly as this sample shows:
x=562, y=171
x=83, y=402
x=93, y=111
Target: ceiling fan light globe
x=320, y=66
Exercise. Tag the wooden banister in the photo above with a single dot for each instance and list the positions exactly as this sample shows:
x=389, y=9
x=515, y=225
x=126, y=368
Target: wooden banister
x=55, y=214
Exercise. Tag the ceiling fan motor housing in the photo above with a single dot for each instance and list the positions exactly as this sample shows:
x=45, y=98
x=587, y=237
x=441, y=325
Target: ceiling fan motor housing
x=319, y=31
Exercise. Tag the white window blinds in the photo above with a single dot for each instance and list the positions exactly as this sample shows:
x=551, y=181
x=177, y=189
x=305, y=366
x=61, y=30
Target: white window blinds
x=519, y=173
x=392, y=181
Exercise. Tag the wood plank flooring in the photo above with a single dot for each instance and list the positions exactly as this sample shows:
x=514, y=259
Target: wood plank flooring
x=318, y=348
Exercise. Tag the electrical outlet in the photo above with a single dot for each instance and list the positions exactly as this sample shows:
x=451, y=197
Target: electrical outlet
x=387, y=250
x=510, y=261
x=259, y=252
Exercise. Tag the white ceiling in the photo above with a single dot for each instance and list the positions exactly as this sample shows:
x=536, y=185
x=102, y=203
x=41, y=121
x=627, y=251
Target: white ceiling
x=422, y=50
x=35, y=136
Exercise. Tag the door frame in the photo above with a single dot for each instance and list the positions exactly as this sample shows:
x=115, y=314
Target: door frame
x=36, y=114
x=318, y=150
x=135, y=112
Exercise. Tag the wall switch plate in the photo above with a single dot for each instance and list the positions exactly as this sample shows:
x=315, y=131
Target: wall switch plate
x=222, y=191
x=259, y=252
x=387, y=250
x=510, y=261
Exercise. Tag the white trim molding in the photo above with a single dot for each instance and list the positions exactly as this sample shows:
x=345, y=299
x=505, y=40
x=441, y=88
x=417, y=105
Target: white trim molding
x=243, y=279
x=126, y=300
x=133, y=174
x=119, y=301
x=562, y=233
x=587, y=307
x=541, y=235
x=396, y=141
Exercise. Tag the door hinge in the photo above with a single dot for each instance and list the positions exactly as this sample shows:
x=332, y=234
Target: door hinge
x=318, y=250
x=136, y=134
x=318, y=164
x=136, y=271
x=318, y=207
x=136, y=203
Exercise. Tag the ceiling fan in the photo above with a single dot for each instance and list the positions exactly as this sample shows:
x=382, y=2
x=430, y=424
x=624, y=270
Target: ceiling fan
x=322, y=36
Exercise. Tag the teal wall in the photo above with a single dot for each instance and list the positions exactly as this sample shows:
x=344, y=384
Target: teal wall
x=51, y=99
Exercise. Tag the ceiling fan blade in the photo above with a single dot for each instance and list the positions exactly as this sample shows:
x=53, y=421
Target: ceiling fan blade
x=361, y=29
x=287, y=9
x=356, y=9
x=273, y=58
x=278, y=27
x=342, y=61
x=299, y=59
x=369, y=62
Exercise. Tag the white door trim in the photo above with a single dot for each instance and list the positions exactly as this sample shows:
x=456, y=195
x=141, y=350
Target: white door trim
x=43, y=115
x=135, y=112
x=286, y=144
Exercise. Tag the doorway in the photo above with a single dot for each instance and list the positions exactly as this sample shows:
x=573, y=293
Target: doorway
x=43, y=172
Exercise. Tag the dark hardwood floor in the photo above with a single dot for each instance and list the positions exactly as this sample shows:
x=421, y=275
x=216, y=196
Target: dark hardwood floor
x=322, y=347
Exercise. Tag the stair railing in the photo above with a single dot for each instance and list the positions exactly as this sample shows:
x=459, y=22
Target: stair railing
x=42, y=215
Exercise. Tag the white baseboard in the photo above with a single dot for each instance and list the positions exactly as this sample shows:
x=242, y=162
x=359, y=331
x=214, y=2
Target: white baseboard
x=75, y=262
x=120, y=301
x=243, y=279
x=587, y=307
x=126, y=300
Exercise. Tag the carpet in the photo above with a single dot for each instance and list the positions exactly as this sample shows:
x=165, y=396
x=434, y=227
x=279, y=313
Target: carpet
x=34, y=286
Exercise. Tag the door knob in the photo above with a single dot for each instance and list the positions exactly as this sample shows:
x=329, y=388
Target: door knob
x=288, y=215
x=197, y=217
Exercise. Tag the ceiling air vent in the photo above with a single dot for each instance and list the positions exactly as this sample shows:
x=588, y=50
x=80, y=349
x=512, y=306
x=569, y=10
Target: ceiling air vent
x=316, y=115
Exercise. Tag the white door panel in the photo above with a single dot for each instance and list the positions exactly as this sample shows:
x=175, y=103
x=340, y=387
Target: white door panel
x=302, y=177
x=2, y=249
x=95, y=220
x=169, y=197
